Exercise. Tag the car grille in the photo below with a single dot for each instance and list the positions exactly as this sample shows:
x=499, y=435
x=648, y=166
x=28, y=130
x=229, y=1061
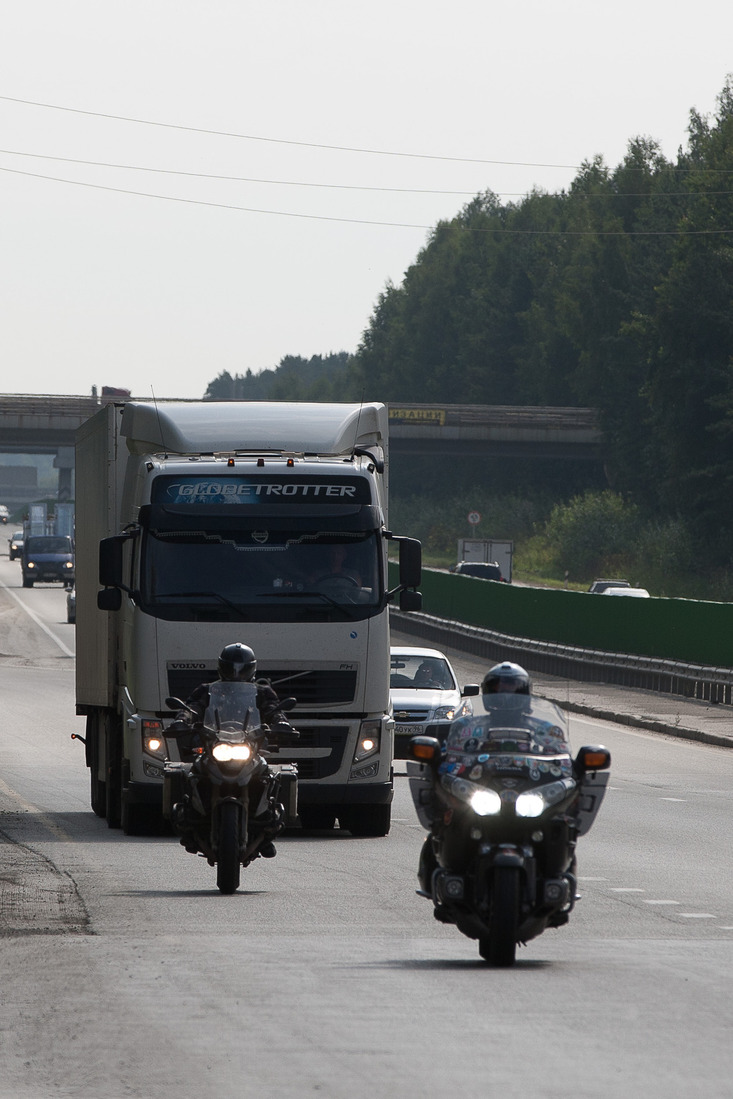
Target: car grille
x=402, y=717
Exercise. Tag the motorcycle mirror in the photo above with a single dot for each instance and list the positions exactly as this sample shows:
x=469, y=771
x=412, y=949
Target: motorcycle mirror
x=287, y=704
x=592, y=758
x=425, y=749
x=177, y=704
x=471, y=689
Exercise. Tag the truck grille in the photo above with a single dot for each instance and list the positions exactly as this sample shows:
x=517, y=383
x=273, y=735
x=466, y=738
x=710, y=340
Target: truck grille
x=317, y=736
x=319, y=687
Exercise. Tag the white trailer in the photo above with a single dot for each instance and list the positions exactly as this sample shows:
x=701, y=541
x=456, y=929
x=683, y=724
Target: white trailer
x=214, y=522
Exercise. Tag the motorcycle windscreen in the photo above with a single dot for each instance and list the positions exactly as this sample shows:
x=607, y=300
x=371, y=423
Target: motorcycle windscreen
x=232, y=708
x=519, y=724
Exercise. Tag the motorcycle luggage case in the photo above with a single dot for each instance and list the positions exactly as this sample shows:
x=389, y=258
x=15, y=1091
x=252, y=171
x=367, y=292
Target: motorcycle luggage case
x=174, y=785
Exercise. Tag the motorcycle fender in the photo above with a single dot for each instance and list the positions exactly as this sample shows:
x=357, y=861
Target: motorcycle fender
x=215, y=822
x=508, y=858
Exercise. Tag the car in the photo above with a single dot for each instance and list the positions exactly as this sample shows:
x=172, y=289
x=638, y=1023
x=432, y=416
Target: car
x=4, y=514
x=424, y=693
x=71, y=605
x=15, y=544
x=599, y=586
x=47, y=557
x=484, y=570
x=639, y=593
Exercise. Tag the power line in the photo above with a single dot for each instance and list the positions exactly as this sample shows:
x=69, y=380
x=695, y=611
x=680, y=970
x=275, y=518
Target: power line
x=281, y=140
x=346, y=186
x=365, y=221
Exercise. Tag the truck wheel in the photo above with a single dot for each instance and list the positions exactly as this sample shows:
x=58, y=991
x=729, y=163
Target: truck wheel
x=98, y=786
x=227, y=855
x=367, y=820
x=113, y=784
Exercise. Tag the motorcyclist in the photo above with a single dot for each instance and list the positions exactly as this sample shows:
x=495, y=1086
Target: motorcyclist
x=504, y=678
x=237, y=663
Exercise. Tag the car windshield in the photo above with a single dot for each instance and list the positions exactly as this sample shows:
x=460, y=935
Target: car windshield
x=232, y=709
x=48, y=544
x=420, y=672
x=511, y=724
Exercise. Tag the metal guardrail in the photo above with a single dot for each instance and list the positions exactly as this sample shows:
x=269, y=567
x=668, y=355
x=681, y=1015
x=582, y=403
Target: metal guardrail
x=697, y=681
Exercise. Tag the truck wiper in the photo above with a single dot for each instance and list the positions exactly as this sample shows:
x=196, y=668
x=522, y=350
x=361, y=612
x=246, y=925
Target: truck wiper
x=202, y=595
x=305, y=594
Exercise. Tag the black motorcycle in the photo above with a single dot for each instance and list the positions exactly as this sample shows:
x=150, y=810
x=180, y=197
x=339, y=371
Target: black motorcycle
x=504, y=803
x=223, y=798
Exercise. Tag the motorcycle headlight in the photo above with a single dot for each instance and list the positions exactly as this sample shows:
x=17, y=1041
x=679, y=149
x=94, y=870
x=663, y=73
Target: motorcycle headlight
x=485, y=803
x=228, y=753
x=529, y=805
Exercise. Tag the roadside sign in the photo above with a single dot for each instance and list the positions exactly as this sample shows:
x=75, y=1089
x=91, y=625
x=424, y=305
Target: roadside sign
x=474, y=517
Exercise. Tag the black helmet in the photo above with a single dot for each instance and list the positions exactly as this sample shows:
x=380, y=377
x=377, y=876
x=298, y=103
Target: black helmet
x=237, y=662
x=506, y=677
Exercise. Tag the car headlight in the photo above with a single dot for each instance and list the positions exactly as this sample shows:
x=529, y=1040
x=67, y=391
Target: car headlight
x=229, y=753
x=68, y=564
x=445, y=712
x=485, y=803
x=31, y=565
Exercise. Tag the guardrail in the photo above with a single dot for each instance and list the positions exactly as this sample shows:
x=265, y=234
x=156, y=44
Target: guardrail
x=707, y=684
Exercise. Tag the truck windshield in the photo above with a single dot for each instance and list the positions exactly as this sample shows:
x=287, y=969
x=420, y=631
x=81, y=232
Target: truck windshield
x=261, y=576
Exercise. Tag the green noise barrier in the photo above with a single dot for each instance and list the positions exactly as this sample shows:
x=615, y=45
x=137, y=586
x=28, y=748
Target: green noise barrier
x=685, y=630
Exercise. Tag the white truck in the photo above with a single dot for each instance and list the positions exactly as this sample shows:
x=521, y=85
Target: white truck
x=215, y=522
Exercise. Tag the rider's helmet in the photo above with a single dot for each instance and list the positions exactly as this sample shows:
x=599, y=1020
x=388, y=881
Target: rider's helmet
x=237, y=662
x=506, y=678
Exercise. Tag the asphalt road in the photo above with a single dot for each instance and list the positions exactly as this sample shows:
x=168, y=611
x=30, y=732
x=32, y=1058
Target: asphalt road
x=125, y=973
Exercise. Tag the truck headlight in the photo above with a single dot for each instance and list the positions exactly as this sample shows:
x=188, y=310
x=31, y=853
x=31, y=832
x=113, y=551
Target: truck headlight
x=369, y=740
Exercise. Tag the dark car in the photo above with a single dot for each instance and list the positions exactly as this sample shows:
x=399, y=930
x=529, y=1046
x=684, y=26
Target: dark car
x=600, y=585
x=47, y=557
x=15, y=544
x=71, y=605
x=484, y=570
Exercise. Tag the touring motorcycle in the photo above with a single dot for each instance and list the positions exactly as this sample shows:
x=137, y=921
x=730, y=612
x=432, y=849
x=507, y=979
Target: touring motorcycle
x=223, y=797
x=504, y=803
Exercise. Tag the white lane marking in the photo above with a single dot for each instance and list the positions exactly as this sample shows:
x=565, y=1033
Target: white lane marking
x=697, y=916
x=661, y=902
x=673, y=799
x=626, y=889
x=38, y=622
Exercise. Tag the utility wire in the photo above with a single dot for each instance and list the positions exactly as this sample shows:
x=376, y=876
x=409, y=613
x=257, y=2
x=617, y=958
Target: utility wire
x=386, y=224
x=347, y=186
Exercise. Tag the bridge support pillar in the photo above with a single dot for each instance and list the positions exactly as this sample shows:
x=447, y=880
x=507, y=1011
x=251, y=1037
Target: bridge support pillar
x=64, y=463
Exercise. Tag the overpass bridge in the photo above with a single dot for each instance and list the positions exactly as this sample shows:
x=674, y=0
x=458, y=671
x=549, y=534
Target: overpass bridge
x=47, y=424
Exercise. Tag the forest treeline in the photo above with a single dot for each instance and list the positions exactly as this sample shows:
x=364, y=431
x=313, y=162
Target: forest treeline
x=615, y=294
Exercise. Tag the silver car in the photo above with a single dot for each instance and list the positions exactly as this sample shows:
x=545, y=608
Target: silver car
x=424, y=694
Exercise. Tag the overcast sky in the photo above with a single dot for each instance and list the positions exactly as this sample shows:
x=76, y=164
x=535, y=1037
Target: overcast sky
x=351, y=129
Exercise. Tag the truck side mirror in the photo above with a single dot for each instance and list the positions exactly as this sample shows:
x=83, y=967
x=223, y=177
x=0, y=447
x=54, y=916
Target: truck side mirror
x=410, y=601
x=410, y=562
x=109, y=599
x=110, y=561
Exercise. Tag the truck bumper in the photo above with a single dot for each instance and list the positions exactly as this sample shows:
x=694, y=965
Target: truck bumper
x=377, y=793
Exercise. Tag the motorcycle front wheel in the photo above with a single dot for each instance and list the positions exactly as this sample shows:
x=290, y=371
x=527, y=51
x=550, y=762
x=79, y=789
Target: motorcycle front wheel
x=499, y=947
x=227, y=858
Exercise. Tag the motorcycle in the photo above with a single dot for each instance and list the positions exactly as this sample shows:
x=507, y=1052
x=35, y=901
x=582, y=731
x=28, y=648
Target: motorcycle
x=504, y=803
x=223, y=797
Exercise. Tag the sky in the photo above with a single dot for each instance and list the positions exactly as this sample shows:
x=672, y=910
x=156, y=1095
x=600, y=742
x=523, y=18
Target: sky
x=194, y=186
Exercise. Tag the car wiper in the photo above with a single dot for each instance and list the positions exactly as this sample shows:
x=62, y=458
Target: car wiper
x=305, y=595
x=201, y=595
